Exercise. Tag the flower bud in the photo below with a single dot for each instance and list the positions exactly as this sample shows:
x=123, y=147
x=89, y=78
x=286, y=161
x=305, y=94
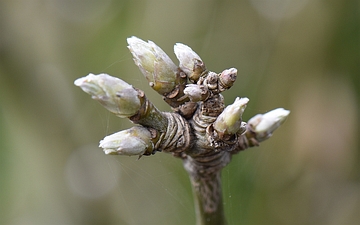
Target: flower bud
x=114, y=94
x=190, y=62
x=133, y=141
x=229, y=121
x=154, y=63
x=227, y=78
x=196, y=92
x=265, y=124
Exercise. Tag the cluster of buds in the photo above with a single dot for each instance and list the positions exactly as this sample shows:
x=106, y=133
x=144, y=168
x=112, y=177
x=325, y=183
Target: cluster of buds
x=190, y=89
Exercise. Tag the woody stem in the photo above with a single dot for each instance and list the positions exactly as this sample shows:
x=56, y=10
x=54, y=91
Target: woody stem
x=205, y=215
x=206, y=185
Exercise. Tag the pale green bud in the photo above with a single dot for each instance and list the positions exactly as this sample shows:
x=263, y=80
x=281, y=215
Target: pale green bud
x=190, y=62
x=133, y=141
x=196, y=92
x=154, y=63
x=229, y=121
x=114, y=94
x=265, y=124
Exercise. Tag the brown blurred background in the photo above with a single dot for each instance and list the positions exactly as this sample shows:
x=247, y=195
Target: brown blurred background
x=298, y=54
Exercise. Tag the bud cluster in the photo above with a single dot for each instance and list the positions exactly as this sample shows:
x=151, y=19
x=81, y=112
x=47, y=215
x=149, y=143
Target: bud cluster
x=186, y=88
x=200, y=130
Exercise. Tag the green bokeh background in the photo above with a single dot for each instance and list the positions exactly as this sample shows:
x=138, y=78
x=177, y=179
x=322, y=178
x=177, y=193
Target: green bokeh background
x=298, y=54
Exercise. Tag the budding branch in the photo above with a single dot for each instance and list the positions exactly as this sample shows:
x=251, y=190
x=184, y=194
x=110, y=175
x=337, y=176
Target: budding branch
x=201, y=130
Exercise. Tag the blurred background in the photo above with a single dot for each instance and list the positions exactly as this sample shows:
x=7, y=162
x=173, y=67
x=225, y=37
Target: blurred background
x=298, y=54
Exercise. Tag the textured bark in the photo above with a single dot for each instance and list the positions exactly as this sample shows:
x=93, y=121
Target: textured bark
x=208, y=198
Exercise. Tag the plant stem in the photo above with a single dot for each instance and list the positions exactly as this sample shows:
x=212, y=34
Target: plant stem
x=150, y=116
x=205, y=177
x=208, y=200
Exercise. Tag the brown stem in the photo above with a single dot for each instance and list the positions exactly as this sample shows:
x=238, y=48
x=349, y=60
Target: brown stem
x=149, y=116
x=208, y=213
x=206, y=187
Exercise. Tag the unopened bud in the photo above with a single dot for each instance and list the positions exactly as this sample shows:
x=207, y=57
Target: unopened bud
x=133, y=141
x=196, y=92
x=190, y=62
x=265, y=124
x=154, y=63
x=229, y=121
x=114, y=94
x=227, y=78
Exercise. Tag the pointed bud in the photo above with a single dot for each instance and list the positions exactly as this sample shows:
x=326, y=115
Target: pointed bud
x=154, y=63
x=227, y=78
x=133, y=141
x=265, y=124
x=190, y=62
x=114, y=94
x=196, y=92
x=229, y=121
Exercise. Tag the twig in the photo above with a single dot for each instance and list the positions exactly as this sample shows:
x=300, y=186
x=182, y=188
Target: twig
x=200, y=130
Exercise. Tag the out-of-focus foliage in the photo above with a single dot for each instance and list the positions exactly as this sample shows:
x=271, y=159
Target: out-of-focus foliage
x=300, y=55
